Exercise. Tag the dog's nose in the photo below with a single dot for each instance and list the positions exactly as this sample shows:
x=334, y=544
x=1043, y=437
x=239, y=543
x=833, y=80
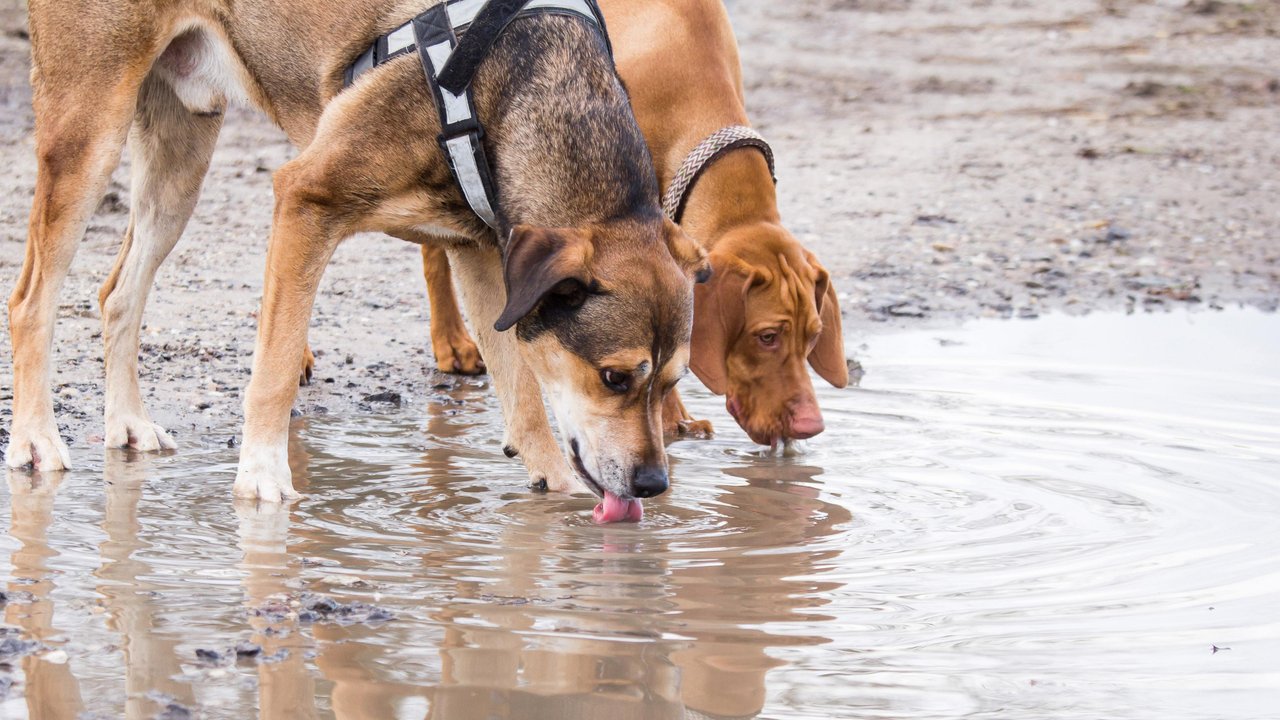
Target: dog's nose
x=806, y=421
x=649, y=481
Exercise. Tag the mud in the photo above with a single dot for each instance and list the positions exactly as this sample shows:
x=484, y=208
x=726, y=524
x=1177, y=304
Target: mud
x=946, y=160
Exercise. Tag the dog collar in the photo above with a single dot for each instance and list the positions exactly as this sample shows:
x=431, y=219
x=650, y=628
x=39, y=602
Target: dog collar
x=450, y=64
x=708, y=151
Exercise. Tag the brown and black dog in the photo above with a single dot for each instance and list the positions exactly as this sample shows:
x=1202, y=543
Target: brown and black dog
x=598, y=299
x=770, y=305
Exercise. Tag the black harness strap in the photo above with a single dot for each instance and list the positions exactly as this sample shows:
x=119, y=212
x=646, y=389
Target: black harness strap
x=461, y=136
x=450, y=65
x=476, y=43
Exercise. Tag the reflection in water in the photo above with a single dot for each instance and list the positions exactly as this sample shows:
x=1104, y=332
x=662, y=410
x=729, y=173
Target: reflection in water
x=532, y=621
x=647, y=631
x=286, y=688
x=51, y=687
x=149, y=656
x=1001, y=525
x=725, y=675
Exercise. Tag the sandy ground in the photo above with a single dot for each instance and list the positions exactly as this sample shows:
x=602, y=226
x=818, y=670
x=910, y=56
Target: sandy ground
x=945, y=159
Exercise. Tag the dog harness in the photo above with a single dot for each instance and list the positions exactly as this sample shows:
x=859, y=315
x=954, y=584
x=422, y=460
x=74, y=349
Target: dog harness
x=708, y=151
x=450, y=64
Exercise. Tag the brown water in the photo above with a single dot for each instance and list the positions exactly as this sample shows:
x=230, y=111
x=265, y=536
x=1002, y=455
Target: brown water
x=1050, y=519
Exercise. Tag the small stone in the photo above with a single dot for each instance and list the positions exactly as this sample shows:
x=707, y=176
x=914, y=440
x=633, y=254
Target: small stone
x=276, y=656
x=389, y=397
x=934, y=220
x=245, y=649
x=174, y=711
x=209, y=657
x=322, y=605
x=12, y=647
x=380, y=615
x=1116, y=234
x=906, y=310
x=350, y=581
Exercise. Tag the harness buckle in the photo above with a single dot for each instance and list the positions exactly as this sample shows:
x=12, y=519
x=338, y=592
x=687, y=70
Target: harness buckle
x=470, y=126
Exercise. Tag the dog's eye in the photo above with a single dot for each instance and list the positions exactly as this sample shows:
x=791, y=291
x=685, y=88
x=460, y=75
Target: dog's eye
x=768, y=338
x=570, y=293
x=616, y=380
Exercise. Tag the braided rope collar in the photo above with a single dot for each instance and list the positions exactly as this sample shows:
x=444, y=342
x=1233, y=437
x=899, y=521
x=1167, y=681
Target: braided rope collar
x=717, y=144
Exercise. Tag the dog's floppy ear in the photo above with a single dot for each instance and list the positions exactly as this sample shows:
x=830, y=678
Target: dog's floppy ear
x=688, y=254
x=827, y=356
x=718, y=317
x=535, y=261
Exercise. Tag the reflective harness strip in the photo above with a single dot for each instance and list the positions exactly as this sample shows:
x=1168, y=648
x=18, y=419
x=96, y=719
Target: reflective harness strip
x=449, y=65
x=708, y=151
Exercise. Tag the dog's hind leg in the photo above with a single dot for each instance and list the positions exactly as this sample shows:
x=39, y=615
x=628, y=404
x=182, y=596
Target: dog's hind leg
x=82, y=115
x=452, y=345
x=528, y=434
x=170, y=147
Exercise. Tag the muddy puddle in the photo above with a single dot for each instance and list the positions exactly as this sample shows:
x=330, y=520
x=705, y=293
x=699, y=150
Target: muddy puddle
x=1060, y=518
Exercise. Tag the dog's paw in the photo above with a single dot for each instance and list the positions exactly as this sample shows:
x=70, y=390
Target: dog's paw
x=687, y=429
x=308, y=367
x=40, y=448
x=264, y=474
x=457, y=353
x=137, y=432
x=696, y=430
x=552, y=474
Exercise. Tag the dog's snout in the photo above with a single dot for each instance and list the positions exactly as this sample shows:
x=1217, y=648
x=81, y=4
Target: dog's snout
x=803, y=427
x=649, y=481
x=805, y=421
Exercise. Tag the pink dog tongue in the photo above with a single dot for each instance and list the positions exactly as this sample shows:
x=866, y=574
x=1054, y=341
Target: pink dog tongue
x=614, y=509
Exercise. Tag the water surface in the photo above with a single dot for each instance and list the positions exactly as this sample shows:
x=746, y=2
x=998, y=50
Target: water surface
x=1060, y=518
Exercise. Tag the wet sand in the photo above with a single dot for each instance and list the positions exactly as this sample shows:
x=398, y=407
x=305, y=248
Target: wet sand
x=945, y=161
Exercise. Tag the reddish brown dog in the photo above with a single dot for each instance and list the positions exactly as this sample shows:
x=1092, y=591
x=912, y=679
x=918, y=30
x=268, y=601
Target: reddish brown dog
x=770, y=305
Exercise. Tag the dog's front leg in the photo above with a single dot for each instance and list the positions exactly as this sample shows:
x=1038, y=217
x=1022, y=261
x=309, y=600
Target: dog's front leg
x=304, y=234
x=677, y=423
x=528, y=434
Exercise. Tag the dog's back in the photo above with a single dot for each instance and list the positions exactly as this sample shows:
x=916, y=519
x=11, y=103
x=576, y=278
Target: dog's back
x=680, y=59
x=284, y=56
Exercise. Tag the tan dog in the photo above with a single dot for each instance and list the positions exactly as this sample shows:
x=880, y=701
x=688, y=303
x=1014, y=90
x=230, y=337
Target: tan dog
x=770, y=304
x=598, y=290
